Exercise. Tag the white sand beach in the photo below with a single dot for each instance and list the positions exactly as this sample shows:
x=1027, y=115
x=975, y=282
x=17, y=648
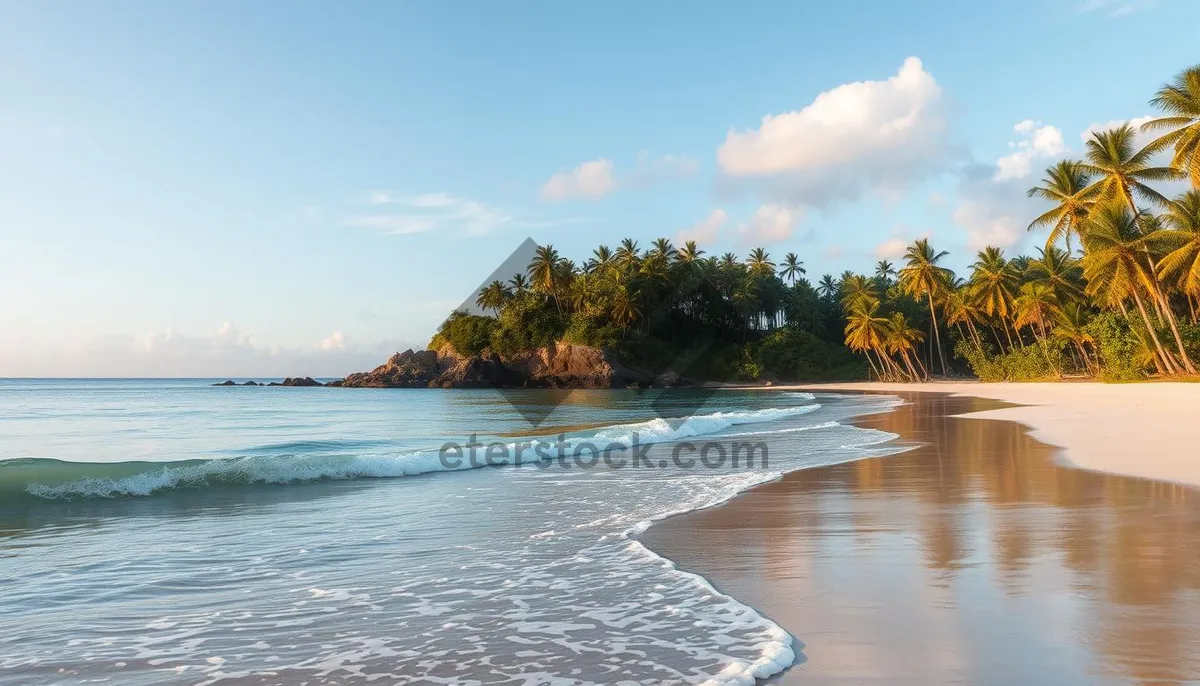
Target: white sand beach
x=1149, y=430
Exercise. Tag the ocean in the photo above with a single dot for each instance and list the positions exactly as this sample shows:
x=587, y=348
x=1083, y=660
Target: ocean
x=168, y=531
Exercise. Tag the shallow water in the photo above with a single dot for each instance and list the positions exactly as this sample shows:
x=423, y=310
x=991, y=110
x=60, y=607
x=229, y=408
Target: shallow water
x=171, y=532
x=975, y=558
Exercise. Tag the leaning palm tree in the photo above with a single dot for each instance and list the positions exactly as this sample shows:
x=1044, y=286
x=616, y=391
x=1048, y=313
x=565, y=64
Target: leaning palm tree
x=866, y=332
x=1066, y=184
x=902, y=339
x=1070, y=324
x=493, y=296
x=1116, y=268
x=960, y=308
x=1181, y=242
x=1034, y=307
x=1180, y=100
x=857, y=291
x=922, y=277
x=760, y=263
x=1121, y=170
x=792, y=268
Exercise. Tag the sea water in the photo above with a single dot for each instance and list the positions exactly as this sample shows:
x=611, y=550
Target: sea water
x=166, y=531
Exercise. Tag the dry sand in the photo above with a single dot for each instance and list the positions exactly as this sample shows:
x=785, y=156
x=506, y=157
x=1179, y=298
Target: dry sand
x=1150, y=430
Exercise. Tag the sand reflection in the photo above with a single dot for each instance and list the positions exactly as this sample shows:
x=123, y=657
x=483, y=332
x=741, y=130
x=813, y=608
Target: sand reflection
x=974, y=558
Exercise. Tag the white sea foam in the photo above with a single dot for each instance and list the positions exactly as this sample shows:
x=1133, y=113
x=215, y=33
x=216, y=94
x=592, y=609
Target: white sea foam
x=275, y=469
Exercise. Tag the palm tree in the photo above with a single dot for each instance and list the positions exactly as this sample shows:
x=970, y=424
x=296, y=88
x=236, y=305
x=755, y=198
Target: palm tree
x=493, y=296
x=1181, y=242
x=1180, y=99
x=689, y=253
x=922, y=277
x=1057, y=268
x=729, y=260
x=760, y=263
x=959, y=307
x=1034, y=307
x=792, y=268
x=1066, y=184
x=627, y=256
x=518, y=283
x=601, y=258
x=901, y=339
x=1070, y=325
x=857, y=291
x=866, y=331
x=884, y=272
x=827, y=287
x=1121, y=170
x=662, y=249
x=545, y=272
x=1116, y=267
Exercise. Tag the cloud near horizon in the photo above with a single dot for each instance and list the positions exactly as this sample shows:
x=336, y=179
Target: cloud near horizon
x=705, y=231
x=440, y=211
x=770, y=223
x=598, y=178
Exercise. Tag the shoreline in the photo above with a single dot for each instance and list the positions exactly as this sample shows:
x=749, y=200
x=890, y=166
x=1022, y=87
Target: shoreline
x=1137, y=430
x=828, y=554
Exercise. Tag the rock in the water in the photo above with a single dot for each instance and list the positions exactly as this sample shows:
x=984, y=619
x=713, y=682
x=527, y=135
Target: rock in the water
x=409, y=369
x=227, y=382
x=250, y=383
x=298, y=381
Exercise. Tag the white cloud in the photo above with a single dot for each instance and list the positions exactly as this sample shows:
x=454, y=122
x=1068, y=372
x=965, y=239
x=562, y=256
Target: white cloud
x=1140, y=139
x=704, y=231
x=336, y=341
x=993, y=212
x=770, y=223
x=440, y=212
x=858, y=137
x=891, y=249
x=589, y=181
x=1040, y=142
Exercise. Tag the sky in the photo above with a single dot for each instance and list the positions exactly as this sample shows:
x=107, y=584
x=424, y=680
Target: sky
x=211, y=189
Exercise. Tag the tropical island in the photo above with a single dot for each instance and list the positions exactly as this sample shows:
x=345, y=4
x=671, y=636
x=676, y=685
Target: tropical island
x=1113, y=295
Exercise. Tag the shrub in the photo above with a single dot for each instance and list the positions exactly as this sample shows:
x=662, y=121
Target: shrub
x=468, y=334
x=796, y=355
x=1122, y=354
x=528, y=322
x=1020, y=364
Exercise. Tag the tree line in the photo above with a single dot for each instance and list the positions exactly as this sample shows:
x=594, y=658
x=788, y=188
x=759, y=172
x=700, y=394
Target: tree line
x=1114, y=293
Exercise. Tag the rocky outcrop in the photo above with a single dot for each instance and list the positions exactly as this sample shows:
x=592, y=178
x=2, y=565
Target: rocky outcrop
x=227, y=382
x=560, y=366
x=298, y=381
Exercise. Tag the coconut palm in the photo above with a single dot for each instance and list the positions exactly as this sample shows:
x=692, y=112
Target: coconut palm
x=885, y=271
x=902, y=339
x=1180, y=239
x=1180, y=100
x=662, y=249
x=1070, y=324
x=627, y=256
x=792, y=268
x=760, y=263
x=689, y=253
x=1121, y=170
x=923, y=277
x=866, y=332
x=1066, y=184
x=602, y=257
x=1056, y=267
x=827, y=287
x=1116, y=267
x=545, y=272
x=959, y=308
x=857, y=291
x=493, y=296
x=519, y=284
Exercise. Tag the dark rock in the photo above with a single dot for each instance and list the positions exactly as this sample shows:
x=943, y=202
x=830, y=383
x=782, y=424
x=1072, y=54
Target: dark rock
x=298, y=381
x=250, y=383
x=227, y=382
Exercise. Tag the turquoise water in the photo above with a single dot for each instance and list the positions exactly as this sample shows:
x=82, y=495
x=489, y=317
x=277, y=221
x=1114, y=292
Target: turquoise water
x=165, y=531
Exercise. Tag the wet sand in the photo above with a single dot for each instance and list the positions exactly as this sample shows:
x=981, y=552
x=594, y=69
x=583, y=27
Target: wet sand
x=977, y=557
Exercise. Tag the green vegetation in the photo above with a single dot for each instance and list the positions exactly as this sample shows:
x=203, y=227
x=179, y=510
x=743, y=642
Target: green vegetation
x=1122, y=307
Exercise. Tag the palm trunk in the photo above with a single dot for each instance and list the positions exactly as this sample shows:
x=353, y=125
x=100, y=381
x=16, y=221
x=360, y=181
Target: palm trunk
x=1187, y=363
x=1154, y=336
x=937, y=337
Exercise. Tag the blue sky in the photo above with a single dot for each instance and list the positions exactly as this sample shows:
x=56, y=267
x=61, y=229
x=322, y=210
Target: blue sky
x=224, y=188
